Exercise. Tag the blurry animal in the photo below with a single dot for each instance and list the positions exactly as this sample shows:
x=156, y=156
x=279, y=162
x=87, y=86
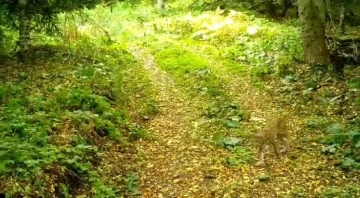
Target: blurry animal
x=276, y=129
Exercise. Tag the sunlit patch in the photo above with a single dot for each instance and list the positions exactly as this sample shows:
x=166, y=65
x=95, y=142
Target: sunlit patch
x=253, y=29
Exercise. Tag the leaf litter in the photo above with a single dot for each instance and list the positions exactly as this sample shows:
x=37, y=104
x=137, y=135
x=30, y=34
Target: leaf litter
x=176, y=165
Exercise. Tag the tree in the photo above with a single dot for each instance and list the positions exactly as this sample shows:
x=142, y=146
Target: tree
x=38, y=15
x=312, y=19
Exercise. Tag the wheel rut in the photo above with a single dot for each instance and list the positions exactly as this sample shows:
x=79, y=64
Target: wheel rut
x=175, y=165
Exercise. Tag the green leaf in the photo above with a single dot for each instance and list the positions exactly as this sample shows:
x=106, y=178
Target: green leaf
x=236, y=118
x=71, y=161
x=335, y=128
x=218, y=139
x=288, y=79
x=354, y=136
x=348, y=162
x=357, y=145
x=65, y=190
x=232, y=124
x=330, y=149
x=231, y=141
x=2, y=166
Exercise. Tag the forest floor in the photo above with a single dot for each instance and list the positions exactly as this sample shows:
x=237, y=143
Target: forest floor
x=177, y=164
x=153, y=111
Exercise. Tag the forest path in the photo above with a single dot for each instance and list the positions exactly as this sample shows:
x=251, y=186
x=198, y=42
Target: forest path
x=175, y=165
x=178, y=165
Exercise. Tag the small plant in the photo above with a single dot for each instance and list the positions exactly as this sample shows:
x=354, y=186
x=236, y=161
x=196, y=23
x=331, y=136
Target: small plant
x=347, y=192
x=132, y=183
x=318, y=123
x=228, y=114
x=240, y=156
x=137, y=132
x=150, y=108
x=225, y=142
x=345, y=143
x=298, y=191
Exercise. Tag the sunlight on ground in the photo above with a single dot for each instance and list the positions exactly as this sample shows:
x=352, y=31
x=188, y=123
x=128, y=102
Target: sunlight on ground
x=167, y=104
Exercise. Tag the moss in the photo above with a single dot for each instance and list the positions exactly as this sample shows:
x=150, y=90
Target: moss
x=178, y=61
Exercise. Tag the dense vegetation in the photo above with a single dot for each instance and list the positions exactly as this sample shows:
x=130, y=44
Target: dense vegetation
x=162, y=99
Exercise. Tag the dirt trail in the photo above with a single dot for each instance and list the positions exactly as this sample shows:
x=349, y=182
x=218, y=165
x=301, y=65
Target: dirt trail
x=175, y=165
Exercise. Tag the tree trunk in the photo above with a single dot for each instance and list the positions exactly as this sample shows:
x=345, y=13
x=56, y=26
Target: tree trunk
x=271, y=8
x=24, y=29
x=286, y=5
x=312, y=18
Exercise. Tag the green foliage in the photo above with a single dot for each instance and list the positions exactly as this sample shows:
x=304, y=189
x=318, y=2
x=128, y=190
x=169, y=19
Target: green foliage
x=225, y=142
x=189, y=69
x=354, y=83
x=25, y=158
x=297, y=192
x=337, y=134
x=318, y=123
x=138, y=132
x=203, y=5
x=9, y=90
x=240, y=156
x=101, y=189
x=347, y=143
x=44, y=13
x=168, y=59
x=132, y=183
x=346, y=192
x=7, y=37
x=349, y=163
x=56, y=117
x=268, y=54
x=27, y=125
x=228, y=114
x=263, y=46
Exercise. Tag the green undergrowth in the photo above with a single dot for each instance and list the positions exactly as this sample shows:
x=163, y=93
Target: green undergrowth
x=190, y=71
x=202, y=50
x=139, y=95
x=330, y=105
x=347, y=191
x=60, y=116
x=194, y=73
x=339, y=140
x=239, y=39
